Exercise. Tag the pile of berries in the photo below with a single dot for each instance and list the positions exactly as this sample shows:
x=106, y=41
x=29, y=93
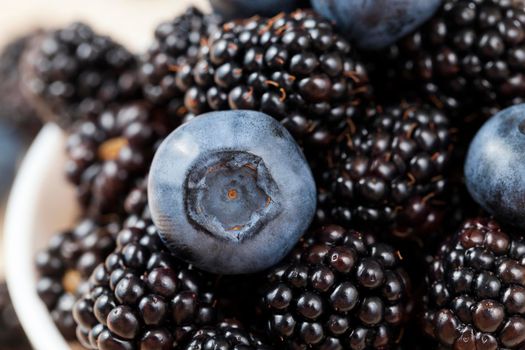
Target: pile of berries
x=286, y=175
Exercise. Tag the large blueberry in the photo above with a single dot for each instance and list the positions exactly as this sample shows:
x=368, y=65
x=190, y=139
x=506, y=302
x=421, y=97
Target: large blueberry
x=495, y=166
x=375, y=24
x=231, y=192
x=232, y=9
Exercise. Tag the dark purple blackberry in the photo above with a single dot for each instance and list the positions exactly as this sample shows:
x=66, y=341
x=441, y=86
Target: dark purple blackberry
x=136, y=202
x=339, y=290
x=176, y=43
x=74, y=73
x=294, y=67
x=12, y=336
x=469, y=57
x=13, y=105
x=226, y=336
x=142, y=297
x=390, y=172
x=66, y=265
x=109, y=155
x=476, y=289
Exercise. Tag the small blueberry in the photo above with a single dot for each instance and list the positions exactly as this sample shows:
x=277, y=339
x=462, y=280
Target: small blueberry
x=231, y=192
x=495, y=166
x=375, y=24
x=234, y=9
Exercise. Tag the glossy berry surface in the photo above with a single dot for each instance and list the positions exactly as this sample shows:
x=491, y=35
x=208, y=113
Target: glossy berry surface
x=338, y=290
x=141, y=297
x=294, y=67
x=495, y=166
x=110, y=154
x=235, y=9
x=227, y=335
x=467, y=57
x=231, y=192
x=376, y=24
x=476, y=289
x=176, y=42
x=74, y=73
x=391, y=171
x=65, y=266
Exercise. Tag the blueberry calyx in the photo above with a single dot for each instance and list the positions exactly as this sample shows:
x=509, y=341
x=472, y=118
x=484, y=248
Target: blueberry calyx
x=521, y=127
x=230, y=194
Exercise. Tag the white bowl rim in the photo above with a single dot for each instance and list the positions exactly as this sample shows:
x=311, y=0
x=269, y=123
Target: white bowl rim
x=20, y=229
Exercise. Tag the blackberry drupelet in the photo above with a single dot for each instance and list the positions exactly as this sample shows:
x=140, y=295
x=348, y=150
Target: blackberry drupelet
x=228, y=335
x=176, y=42
x=13, y=105
x=339, y=290
x=294, y=67
x=476, y=289
x=390, y=172
x=468, y=58
x=12, y=336
x=74, y=73
x=136, y=202
x=142, y=297
x=66, y=265
x=110, y=155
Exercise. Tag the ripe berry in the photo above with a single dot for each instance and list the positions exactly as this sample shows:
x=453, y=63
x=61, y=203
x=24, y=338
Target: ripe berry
x=235, y=9
x=231, y=192
x=74, y=73
x=476, y=289
x=495, y=166
x=376, y=24
x=228, y=335
x=142, y=297
x=390, y=171
x=338, y=290
x=295, y=68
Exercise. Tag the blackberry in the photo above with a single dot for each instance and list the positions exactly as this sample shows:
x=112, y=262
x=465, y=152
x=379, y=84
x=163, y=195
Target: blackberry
x=468, y=57
x=136, y=202
x=142, y=297
x=226, y=336
x=109, y=155
x=12, y=336
x=13, y=106
x=293, y=67
x=67, y=263
x=340, y=290
x=74, y=73
x=390, y=172
x=476, y=289
x=176, y=42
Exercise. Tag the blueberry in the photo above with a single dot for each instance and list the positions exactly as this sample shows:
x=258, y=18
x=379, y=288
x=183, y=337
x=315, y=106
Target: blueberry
x=231, y=192
x=375, y=24
x=11, y=147
x=495, y=166
x=232, y=9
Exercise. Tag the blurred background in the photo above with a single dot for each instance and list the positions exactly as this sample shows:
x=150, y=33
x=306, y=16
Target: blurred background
x=130, y=22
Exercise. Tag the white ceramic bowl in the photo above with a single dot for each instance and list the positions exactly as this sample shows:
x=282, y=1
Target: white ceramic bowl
x=41, y=203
